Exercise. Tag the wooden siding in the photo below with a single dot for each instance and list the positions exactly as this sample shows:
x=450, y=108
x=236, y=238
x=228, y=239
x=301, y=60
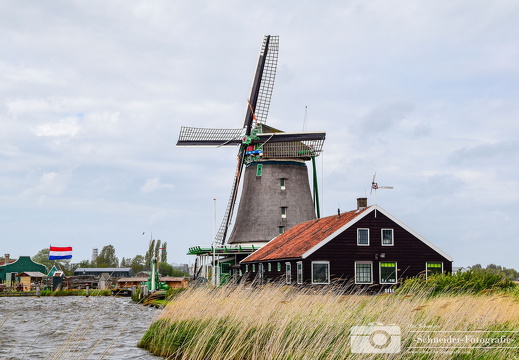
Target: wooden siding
x=410, y=253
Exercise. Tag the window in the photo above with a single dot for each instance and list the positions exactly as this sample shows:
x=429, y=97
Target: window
x=282, y=182
x=387, y=237
x=253, y=267
x=363, y=237
x=283, y=212
x=363, y=272
x=320, y=272
x=261, y=271
x=247, y=268
x=299, y=272
x=279, y=266
x=288, y=273
x=434, y=268
x=269, y=267
x=281, y=229
x=388, y=273
x=259, y=170
x=225, y=269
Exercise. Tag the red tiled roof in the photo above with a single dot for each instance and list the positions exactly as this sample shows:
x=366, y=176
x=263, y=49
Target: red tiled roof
x=302, y=237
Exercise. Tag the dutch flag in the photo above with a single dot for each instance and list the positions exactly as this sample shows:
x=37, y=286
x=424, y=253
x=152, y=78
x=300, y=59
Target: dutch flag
x=60, y=253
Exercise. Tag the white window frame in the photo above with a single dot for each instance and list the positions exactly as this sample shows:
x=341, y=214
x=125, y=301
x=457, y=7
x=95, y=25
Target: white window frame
x=288, y=273
x=283, y=212
x=392, y=237
x=355, y=271
x=261, y=271
x=299, y=272
x=380, y=273
x=327, y=275
x=269, y=267
x=427, y=267
x=279, y=266
x=358, y=236
x=282, y=182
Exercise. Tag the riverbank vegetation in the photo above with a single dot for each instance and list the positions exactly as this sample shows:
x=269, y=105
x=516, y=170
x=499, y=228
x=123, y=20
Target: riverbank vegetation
x=284, y=322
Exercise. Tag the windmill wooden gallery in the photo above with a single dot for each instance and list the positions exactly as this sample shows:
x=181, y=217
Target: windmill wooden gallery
x=278, y=232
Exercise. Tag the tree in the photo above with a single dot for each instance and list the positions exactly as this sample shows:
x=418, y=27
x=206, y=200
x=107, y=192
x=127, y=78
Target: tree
x=138, y=264
x=107, y=258
x=164, y=253
x=126, y=262
x=85, y=264
x=157, y=250
x=150, y=253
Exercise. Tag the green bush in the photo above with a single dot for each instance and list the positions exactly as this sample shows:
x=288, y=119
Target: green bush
x=469, y=282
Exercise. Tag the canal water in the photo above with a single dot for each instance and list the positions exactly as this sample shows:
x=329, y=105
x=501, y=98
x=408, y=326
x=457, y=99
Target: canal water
x=73, y=327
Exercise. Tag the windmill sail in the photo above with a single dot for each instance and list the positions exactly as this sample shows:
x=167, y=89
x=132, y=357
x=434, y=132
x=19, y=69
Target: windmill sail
x=261, y=146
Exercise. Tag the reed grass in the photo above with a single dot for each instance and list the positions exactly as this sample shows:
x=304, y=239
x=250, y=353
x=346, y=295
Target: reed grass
x=280, y=322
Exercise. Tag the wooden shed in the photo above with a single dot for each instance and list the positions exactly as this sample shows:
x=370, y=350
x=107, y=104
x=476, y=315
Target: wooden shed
x=30, y=279
x=175, y=282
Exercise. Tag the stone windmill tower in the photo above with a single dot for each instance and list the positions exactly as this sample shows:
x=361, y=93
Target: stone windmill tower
x=276, y=193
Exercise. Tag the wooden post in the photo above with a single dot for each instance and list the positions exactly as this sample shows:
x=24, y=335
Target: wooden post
x=87, y=292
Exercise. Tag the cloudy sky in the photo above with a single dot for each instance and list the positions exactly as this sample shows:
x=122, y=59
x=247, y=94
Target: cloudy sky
x=93, y=94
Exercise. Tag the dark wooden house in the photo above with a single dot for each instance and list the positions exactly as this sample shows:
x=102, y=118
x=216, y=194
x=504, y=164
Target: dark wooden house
x=367, y=246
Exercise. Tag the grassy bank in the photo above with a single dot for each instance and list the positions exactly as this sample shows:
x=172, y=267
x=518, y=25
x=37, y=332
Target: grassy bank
x=278, y=322
x=93, y=292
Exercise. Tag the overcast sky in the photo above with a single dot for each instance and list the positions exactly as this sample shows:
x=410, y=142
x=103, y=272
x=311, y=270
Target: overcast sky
x=93, y=94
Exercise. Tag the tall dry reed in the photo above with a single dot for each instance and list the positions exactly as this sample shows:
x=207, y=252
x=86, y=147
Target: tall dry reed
x=279, y=322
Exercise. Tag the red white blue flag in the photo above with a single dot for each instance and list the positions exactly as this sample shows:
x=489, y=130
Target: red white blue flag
x=60, y=253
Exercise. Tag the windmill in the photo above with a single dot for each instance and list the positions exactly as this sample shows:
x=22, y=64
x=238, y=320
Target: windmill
x=276, y=193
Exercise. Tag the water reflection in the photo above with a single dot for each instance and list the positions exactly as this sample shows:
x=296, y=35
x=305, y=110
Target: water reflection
x=72, y=328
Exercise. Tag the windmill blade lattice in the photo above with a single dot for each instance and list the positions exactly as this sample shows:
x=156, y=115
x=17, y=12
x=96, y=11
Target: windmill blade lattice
x=268, y=78
x=191, y=136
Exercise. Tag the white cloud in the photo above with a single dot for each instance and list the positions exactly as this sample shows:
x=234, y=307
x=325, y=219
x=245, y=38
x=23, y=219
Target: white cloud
x=64, y=127
x=154, y=184
x=423, y=93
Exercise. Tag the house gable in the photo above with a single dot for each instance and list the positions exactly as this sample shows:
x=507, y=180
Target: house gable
x=303, y=237
x=375, y=209
x=367, y=246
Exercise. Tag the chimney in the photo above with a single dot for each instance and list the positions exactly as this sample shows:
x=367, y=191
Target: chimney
x=7, y=256
x=362, y=203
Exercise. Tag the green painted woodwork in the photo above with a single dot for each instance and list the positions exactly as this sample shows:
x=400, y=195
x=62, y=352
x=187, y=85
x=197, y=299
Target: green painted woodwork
x=24, y=263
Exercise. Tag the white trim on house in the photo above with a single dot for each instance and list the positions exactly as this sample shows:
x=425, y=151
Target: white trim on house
x=392, y=237
x=288, y=273
x=360, y=217
x=427, y=267
x=299, y=272
x=355, y=271
x=358, y=236
x=327, y=275
x=380, y=273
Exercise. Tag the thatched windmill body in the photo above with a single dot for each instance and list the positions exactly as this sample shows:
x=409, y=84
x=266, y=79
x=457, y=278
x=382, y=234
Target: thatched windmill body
x=276, y=193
